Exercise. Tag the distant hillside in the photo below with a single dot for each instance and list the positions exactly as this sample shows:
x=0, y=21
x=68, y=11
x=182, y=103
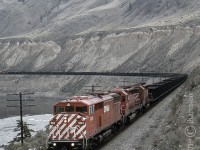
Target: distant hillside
x=174, y=49
x=64, y=35
x=69, y=17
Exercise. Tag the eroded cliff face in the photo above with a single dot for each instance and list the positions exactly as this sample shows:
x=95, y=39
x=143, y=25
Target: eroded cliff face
x=157, y=49
x=35, y=18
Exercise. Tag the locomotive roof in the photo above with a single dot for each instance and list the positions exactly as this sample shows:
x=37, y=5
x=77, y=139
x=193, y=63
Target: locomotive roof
x=88, y=100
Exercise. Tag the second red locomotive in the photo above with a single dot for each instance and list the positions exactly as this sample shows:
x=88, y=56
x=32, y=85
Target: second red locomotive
x=82, y=122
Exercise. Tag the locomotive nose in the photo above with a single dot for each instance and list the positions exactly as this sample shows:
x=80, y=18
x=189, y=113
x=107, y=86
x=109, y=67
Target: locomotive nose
x=67, y=127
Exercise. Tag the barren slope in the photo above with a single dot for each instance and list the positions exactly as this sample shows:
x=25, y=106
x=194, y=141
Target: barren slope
x=174, y=49
x=69, y=17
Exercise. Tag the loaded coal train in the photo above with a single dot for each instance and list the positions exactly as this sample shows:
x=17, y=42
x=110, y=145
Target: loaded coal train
x=82, y=122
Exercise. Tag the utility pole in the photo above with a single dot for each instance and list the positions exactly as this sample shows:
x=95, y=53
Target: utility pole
x=21, y=119
x=20, y=105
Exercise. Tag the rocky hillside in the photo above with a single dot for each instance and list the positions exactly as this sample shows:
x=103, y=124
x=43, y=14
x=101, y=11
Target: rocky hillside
x=59, y=35
x=157, y=49
x=69, y=17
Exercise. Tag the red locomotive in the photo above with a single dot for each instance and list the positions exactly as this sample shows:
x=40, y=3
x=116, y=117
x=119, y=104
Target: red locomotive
x=82, y=122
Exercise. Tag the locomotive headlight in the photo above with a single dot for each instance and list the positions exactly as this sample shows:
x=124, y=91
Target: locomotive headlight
x=54, y=144
x=72, y=144
x=65, y=121
x=81, y=123
x=52, y=123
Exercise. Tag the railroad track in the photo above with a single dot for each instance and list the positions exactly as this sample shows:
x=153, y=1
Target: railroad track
x=157, y=89
x=91, y=73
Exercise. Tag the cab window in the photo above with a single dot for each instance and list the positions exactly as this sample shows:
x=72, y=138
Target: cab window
x=59, y=109
x=81, y=109
x=69, y=108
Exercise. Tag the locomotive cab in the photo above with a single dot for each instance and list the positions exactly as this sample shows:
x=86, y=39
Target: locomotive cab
x=68, y=125
x=133, y=98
